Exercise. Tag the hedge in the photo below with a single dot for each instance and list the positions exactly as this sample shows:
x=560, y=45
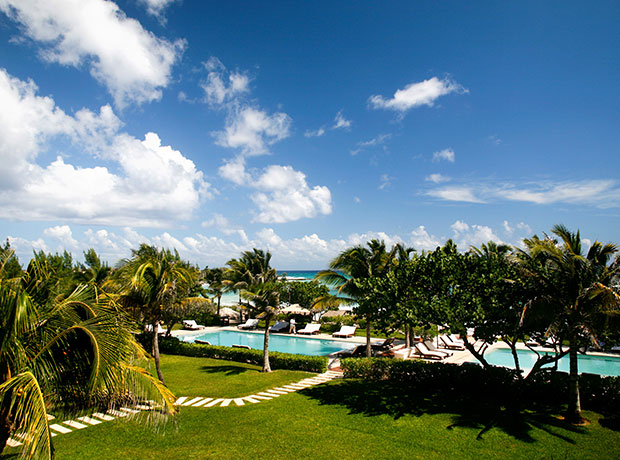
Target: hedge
x=277, y=360
x=550, y=388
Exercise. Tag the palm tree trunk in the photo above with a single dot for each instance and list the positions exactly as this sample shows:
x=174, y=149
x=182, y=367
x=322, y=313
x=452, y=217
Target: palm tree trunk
x=266, y=366
x=155, y=347
x=5, y=427
x=219, y=297
x=368, y=347
x=573, y=413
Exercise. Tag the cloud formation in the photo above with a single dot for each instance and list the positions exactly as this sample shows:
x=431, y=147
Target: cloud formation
x=600, y=193
x=444, y=155
x=136, y=182
x=130, y=61
x=417, y=94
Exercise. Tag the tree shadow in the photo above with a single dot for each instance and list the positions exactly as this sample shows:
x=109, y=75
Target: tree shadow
x=481, y=412
x=611, y=422
x=227, y=370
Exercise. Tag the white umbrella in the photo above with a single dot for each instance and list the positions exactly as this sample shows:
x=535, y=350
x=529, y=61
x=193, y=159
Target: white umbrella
x=295, y=309
x=229, y=312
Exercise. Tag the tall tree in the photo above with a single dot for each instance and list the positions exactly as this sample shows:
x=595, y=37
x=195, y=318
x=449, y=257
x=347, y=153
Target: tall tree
x=151, y=282
x=63, y=353
x=255, y=279
x=214, y=277
x=578, y=288
x=348, y=272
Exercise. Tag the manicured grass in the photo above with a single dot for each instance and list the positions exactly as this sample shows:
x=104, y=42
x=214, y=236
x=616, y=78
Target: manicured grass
x=342, y=419
x=216, y=378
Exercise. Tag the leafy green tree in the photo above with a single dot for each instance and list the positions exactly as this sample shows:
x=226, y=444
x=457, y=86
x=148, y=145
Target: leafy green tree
x=11, y=266
x=151, y=282
x=255, y=279
x=578, y=289
x=304, y=293
x=63, y=353
x=348, y=272
x=93, y=270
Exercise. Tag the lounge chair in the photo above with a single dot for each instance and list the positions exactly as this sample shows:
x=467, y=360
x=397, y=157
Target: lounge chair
x=202, y=342
x=345, y=331
x=456, y=340
x=427, y=354
x=279, y=326
x=247, y=347
x=386, y=345
x=191, y=325
x=357, y=352
x=310, y=329
x=447, y=343
x=249, y=324
x=434, y=349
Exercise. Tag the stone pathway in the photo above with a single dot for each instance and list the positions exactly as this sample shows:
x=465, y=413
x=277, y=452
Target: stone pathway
x=96, y=418
x=199, y=401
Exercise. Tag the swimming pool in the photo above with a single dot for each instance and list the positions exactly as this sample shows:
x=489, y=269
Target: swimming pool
x=592, y=364
x=282, y=343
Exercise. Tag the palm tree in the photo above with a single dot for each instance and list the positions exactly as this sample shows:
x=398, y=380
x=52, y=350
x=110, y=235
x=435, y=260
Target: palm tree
x=578, y=291
x=63, y=354
x=151, y=282
x=255, y=279
x=356, y=264
x=214, y=277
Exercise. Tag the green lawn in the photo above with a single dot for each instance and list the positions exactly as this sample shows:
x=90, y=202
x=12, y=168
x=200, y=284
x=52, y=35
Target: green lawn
x=221, y=379
x=343, y=419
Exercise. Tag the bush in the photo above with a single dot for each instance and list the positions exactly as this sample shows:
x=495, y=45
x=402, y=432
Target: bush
x=546, y=388
x=174, y=346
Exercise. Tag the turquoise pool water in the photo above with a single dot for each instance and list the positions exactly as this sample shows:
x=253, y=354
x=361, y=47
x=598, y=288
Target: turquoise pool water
x=282, y=343
x=601, y=365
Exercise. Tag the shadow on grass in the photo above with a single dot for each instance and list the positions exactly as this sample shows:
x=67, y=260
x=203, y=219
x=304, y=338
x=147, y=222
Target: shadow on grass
x=227, y=370
x=480, y=413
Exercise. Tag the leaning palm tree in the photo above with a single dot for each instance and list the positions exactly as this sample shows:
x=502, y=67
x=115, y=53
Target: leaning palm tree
x=354, y=265
x=63, y=354
x=152, y=281
x=255, y=279
x=214, y=277
x=577, y=290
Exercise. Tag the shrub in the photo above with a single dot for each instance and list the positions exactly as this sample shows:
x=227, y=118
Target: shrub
x=174, y=346
x=546, y=388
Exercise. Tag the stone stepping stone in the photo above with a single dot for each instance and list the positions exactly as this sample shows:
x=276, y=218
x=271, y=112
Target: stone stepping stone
x=271, y=395
x=118, y=413
x=251, y=400
x=13, y=443
x=214, y=402
x=180, y=401
x=74, y=424
x=290, y=387
x=90, y=421
x=104, y=417
x=260, y=397
x=288, y=390
x=226, y=402
x=189, y=402
x=280, y=392
x=129, y=410
x=144, y=407
x=239, y=401
x=50, y=417
x=60, y=428
x=202, y=402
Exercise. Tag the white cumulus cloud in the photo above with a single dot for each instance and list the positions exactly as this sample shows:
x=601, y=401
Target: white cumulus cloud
x=130, y=61
x=437, y=178
x=134, y=183
x=417, y=94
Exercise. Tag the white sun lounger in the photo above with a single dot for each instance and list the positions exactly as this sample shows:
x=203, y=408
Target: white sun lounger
x=345, y=331
x=249, y=324
x=191, y=325
x=310, y=329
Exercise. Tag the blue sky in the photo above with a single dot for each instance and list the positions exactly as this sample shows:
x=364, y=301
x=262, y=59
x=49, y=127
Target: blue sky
x=305, y=127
